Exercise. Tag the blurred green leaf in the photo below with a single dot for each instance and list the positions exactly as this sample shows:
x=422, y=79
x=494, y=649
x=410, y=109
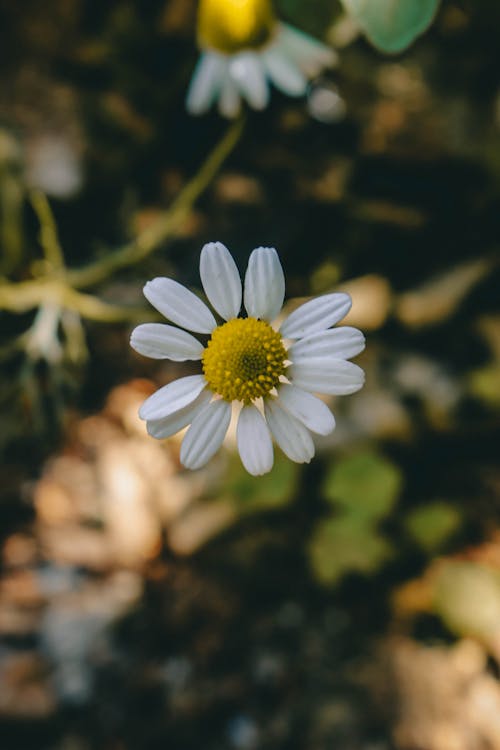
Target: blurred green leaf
x=392, y=25
x=467, y=598
x=431, y=525
x=313, y=18
x=343, y=545
x=483, y=384
x=326, y=276
x=272, y=490
x=366, y=485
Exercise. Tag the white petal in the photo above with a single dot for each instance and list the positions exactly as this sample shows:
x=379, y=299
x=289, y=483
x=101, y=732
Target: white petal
x=160, y=341
x=292, y=437
x=309, y=54
x=316, y=315
x=248, y=72
x=179, y=305
x=205, y=436
x=205, y=83
x=254, y=441
x=284, y=73
x=163, y=428
x=172, y=397
x=327, y=375
x=342, y=343
x=229, y=99
x=311, y=411
x=264, y=284
x=221, y=279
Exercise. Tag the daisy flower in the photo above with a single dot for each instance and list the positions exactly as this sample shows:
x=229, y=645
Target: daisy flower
x=243, y=47
x=271, y=373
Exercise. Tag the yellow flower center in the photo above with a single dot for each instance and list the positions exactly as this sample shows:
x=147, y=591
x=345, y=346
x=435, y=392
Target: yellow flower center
x=244, y=359
x=230, y=26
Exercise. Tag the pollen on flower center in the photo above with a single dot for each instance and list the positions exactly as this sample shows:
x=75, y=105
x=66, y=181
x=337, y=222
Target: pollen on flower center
x=232, y=25
x=244, y=359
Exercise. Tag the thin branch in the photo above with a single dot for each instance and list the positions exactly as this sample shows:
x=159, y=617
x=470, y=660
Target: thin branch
x=11, y=218
x=166, y=226
x=93, y=308
x=32, y=294
x=49, y=238
x=59, y=286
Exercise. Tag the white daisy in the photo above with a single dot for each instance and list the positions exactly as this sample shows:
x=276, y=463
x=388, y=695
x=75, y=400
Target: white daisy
x=271, y=373
x=244, y=46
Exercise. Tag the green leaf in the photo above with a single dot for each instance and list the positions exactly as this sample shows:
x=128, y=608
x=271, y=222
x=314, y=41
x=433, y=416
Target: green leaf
x=366, y=485
x=272, y=490
x=484, y=382
x=392, y=25
x=312, y=18
x=344, y=545
x=431, y=525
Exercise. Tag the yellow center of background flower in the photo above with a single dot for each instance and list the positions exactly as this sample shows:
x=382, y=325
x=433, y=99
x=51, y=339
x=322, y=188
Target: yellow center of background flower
x=230, y=26
x=244, y=359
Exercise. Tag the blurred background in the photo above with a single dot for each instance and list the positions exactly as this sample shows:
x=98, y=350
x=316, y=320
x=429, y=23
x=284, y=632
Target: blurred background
x=353, y=603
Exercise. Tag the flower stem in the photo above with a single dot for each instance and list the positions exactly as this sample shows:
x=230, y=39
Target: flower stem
x=166, y=225
x=49, y=238
x=60, y=285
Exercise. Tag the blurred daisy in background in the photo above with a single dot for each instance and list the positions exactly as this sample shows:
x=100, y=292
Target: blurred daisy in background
x=270, y=373
x=244, y=47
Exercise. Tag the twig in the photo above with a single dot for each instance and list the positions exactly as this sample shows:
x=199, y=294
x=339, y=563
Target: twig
x=30, y=294
x=49, y=239
x=166, y=226
x=60, y=288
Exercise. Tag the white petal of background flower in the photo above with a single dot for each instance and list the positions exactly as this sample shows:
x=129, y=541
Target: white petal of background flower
x=292, y=437
x=309, y=409
x=221, y=279
x=205, y=436
x=247, y=70
x=264, y=284
x=327, y=375
x=254, y=441
x=283, y=72
x=309, y=54
x=316, y=315
x=172, y=397
x=229, y=100
x=342, y=343
x=205, y=83
x=160, y=341
x=163, y=428
x=179, y=305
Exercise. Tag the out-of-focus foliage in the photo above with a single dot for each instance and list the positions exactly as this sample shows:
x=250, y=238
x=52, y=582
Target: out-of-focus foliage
x=365, y=485
x=346, y=545
x=431, y=525
x=143, y=606
x=484, y=384
x=363, y=489
x=484, y=380
x=392, y=25
x=311, y=17
x=252, y=494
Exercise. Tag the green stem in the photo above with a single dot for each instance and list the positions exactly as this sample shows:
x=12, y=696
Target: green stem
x=49, y=239
x=59, y=285
x=166, y=226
